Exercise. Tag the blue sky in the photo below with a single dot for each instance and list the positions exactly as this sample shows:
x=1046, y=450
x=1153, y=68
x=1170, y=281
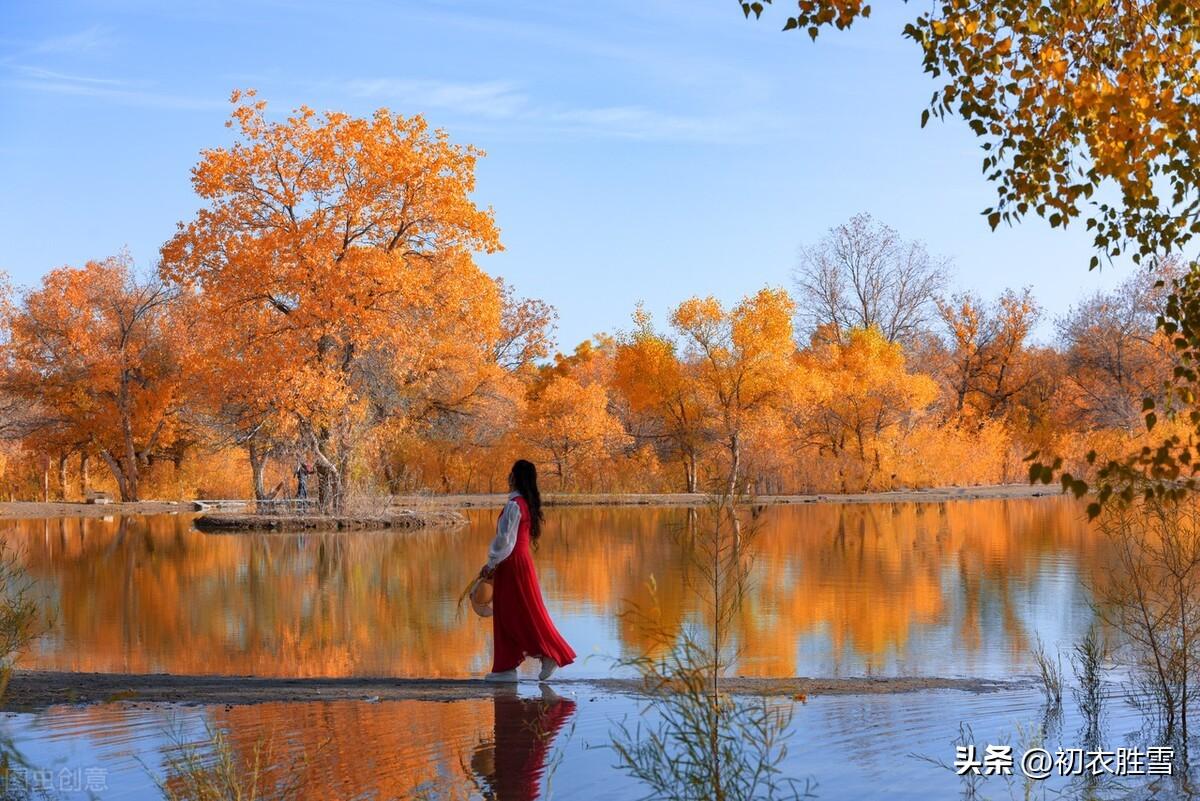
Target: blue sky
x=636, y=150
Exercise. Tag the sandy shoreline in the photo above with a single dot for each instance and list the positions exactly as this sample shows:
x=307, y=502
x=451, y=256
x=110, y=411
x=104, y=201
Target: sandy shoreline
x=17, y=510
x=37, y=509
x=931, y=495
x=36, y=690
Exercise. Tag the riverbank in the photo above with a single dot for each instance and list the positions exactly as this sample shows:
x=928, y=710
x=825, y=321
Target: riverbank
x=37, y=690
x=930, y=495
x=421, y=503
x=233, y=522
x=22, y=510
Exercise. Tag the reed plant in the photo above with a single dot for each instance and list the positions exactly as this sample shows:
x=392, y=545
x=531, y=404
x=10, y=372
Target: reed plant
x=695, y=742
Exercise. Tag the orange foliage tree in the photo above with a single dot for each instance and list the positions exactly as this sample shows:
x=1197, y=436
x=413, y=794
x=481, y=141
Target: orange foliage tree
x=102, y=355
x=662, y=391
x=569, y=424
x=866, y=393
x=987, y=364
x=336, y=252
x=744, y=362
x=1086, y=111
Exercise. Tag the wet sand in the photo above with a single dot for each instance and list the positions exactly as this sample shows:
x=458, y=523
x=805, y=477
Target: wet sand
x=36, y=509
x=418, y=503
x=36, y=690
x=233, y=523
x=930, y=495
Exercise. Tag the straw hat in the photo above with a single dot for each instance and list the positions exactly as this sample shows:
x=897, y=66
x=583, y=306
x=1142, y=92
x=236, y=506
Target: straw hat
x=481, y=597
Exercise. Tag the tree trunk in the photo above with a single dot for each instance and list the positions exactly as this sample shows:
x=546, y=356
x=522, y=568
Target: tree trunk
x=258, y=461
x=561, y=468
x=129, y=461
x=122, y=479
x=330, y=491
x=329, y=488
x=62, y=476
x=735, y=464
x=46, y=478
x=83, y=475
x=689, y=470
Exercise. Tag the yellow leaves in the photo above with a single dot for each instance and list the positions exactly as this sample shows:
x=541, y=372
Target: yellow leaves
x=868, y=390
x=101, y=354
x=698, y=314
x=340, y=247
x=1098, y=90
x=743, y=356
x=570, y=425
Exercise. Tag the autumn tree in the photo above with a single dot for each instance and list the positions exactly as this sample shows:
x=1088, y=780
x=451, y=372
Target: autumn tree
x=328, y=246
x=744, y=362
x=986, y=364
x=867, y=391
x=863, y=275
x=461, y=392
x=662, y=391
x=1085, y=112
x=1066, y=100
x=570, y=425
x=526, y=331
x=102, y=355
x=236, y=402
x=1115, y=355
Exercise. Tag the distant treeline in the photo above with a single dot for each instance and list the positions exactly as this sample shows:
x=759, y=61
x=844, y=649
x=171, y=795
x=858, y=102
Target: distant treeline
x=324, y=305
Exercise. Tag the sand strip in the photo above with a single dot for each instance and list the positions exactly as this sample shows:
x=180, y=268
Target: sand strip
x=35, y=690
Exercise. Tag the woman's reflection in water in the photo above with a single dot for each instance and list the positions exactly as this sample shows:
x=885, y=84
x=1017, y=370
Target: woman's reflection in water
x=510, y=766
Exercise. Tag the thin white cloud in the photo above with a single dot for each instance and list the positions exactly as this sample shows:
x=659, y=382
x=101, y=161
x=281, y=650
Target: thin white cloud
x=35, y=79
x=493, y=99
x=506, y=102
x=93, y=39
x=39, y=74
x=638, y=122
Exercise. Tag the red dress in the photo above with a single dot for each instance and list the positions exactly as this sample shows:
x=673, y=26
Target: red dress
x=521, y=626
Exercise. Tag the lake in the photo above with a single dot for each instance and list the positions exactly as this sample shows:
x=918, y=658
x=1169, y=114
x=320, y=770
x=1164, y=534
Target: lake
x=951, y=589
x=955, y=589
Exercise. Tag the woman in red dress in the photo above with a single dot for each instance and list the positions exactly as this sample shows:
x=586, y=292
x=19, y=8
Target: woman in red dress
x=521, y=626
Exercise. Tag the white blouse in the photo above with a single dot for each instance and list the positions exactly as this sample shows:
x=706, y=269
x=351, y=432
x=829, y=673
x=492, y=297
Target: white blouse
x=506, y=532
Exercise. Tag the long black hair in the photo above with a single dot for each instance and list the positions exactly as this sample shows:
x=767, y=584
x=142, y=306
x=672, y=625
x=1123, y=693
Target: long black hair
x=524, y=480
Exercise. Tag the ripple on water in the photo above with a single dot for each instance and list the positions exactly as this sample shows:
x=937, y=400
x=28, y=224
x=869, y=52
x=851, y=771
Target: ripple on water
x=853, y=746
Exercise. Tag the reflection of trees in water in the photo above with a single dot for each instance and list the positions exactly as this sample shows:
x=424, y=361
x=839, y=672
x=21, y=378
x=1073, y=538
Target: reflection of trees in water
x=151, y=594
x=498, y=749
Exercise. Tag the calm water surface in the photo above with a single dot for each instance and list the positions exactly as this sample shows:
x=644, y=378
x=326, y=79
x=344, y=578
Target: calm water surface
x=526, y=745
x=953, y=589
